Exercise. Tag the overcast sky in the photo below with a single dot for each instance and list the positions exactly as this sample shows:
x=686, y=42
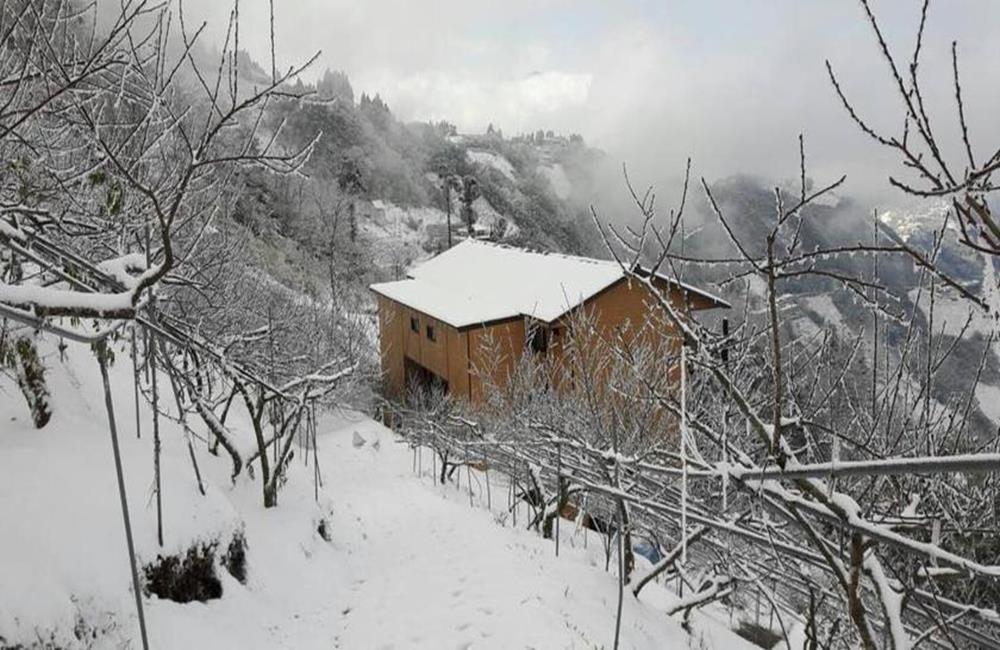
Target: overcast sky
x=729, y=82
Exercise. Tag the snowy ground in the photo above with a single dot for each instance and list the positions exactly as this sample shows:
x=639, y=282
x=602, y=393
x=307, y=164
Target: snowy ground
x=409, y=565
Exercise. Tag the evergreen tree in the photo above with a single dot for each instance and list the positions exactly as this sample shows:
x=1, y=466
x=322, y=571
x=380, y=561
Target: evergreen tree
x=335, y=85
x=470, y=192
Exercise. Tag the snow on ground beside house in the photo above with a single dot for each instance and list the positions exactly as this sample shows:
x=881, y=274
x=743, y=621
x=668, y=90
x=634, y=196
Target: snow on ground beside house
x=490, y=159
x=409, y=564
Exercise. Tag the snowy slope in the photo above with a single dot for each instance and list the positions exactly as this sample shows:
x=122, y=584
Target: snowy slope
x=402, y=236
x=408, y=565
x=493, y=160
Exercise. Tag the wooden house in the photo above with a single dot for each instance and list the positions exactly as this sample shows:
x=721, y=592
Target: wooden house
x=435, y=324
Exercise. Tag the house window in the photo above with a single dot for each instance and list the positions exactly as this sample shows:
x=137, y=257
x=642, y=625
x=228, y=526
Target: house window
x=414, y=324
x=430, y=333
x=538, y=340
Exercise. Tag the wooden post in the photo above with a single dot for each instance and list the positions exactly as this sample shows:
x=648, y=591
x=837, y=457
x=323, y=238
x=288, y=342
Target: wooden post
x=510, y=495
x=135, y=383
x=559, y=492
x=183, y=420
x=447, y=200
x=621, y=563
x=317, y=473
x=468, y=472
x=514, y=497
x=310, y=429
x=122, y=496
x=151, y=351
x=684, y=464
x=486, y=471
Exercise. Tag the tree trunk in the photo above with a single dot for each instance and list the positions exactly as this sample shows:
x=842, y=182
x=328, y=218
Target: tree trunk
x=31, y=380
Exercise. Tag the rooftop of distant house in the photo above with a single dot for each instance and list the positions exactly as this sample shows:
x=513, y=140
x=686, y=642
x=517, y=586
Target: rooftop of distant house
x=477, y=282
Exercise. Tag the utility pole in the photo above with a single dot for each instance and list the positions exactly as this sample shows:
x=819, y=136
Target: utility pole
x=447, y=200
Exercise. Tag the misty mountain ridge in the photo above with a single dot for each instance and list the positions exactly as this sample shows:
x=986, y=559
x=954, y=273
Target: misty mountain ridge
x=816, y=306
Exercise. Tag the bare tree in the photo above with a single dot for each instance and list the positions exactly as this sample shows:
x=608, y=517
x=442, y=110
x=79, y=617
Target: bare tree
x=966, y=180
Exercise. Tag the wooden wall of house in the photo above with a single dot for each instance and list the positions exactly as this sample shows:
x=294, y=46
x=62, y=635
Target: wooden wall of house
x=457, y=348
x=631, y=307
x=431, y=354
x=494, y=351
x=390, y=328
x=634, y=303
x=459, y=356
x=446, y=356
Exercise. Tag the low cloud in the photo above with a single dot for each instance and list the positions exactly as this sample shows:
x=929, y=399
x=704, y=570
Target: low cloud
x=731, y=84
x=516, y=105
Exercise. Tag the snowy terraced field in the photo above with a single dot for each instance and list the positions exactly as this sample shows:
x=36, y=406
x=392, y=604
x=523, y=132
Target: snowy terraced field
x=409, y=564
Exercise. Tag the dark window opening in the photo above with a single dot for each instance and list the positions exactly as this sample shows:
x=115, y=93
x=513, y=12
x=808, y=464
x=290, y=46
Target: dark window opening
x=414, y=324
x=425, y=389
x=538, y=340
x=430, y=333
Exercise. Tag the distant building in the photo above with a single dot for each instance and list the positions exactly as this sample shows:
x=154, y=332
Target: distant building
x=435, y=324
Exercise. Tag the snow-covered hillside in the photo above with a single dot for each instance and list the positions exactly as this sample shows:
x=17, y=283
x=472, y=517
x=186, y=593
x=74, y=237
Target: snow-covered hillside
x=382, y=559
x=490, y=159
x=921, y=218
x=402, y=236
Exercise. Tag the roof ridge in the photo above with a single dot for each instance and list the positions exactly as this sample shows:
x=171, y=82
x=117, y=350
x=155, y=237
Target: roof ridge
x=542, y=253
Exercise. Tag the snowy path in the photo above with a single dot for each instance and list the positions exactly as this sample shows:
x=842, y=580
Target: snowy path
x=429, y=571
x=409, y=564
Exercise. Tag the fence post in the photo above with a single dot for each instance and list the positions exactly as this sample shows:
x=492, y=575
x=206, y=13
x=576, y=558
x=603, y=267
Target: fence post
x=157, y=477
x=101, y=358
x=317, y=473
x=559, y=492
x=468, y=471
x=513, y=492
x=135, y=383
x=510, y=495
x=486, y=471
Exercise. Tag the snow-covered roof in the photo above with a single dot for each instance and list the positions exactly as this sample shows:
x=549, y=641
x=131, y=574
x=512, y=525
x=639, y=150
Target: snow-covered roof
x=477, y=282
